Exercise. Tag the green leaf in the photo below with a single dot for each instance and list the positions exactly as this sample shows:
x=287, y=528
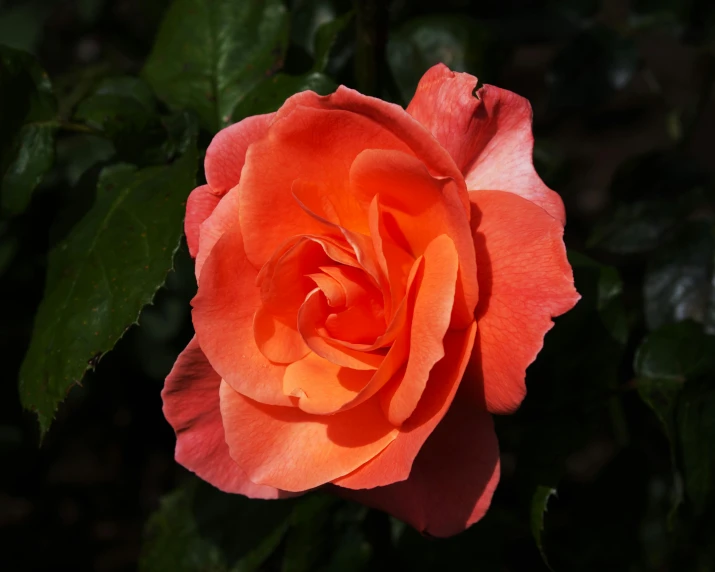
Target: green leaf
x=21, y=25
x=539, y=506
x=27, y=132
x=101, y=276
x=271, y=93
x=608, y=295
x=124, y=110
x=670, y=363
x=209, y=55
x=696, y=427
x=309, y=537
x=675, y=352
x=34, y=156
x=678, y=279
x=198, y=527
x=459, y=42
x=634, y=228
x=325, y=38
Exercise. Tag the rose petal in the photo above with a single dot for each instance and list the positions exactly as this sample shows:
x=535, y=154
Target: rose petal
x=395, y=462
x=488, y=135
x=422, y=209
x=289, y=449
x=223, y=218
x=430, y=321
x=191, y=406
x=390, y=117
x=199, y=206
x=453, y=477
x=226, y=154
x=223, y=319
x=269, y=213
x=524, y=281
x=322, y=387
x=277, y=336
x=311, y=317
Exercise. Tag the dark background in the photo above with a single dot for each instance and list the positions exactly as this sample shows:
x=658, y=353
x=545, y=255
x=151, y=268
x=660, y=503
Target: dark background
x=624, y=116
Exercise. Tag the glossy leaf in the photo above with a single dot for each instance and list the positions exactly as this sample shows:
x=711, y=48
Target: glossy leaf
x=460, y=43
x=271, y=93
x=678, y=279
x=200, y=528
x=102, y=274
x=27, y=128
x=209, y=55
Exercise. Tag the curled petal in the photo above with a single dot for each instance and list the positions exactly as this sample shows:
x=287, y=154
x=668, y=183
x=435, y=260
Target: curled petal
x=488, y=133
x=395, y=462
x=199, y=206
x=322, y=387
x=524, y=281
x=420, y=209
x=430, y=321
x=277, y=336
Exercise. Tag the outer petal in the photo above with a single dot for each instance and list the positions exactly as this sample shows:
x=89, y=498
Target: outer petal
x=226, y=154
x=395, y=462
x=488, y=134
x=223, y=314
x=223, y=218
x=453, y=478
x=524, y=281
x=191, y=406
x=199, y=206
x=300, y=451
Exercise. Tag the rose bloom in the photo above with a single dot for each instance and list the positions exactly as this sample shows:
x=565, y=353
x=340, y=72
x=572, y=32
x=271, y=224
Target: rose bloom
x=372, y=284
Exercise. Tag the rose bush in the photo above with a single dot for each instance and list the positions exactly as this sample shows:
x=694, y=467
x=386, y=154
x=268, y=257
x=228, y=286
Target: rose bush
x=372, y=284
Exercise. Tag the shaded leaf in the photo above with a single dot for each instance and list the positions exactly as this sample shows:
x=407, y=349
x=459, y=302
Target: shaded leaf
x=696, y=427
x=678, y=279
x=459, y=42
x=102, y=274
x=124, y=110
x=271, y=93
x=634, y=228
x=200, y=528
x=209, y=55
x=539, y=507
x=34, y=156
x=325, y=37
x=308, y=541
x=675, y=352
x=670, y=363
x=27, y=133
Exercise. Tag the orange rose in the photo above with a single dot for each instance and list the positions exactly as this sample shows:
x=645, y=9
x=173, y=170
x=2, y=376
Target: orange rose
x=354, y=260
